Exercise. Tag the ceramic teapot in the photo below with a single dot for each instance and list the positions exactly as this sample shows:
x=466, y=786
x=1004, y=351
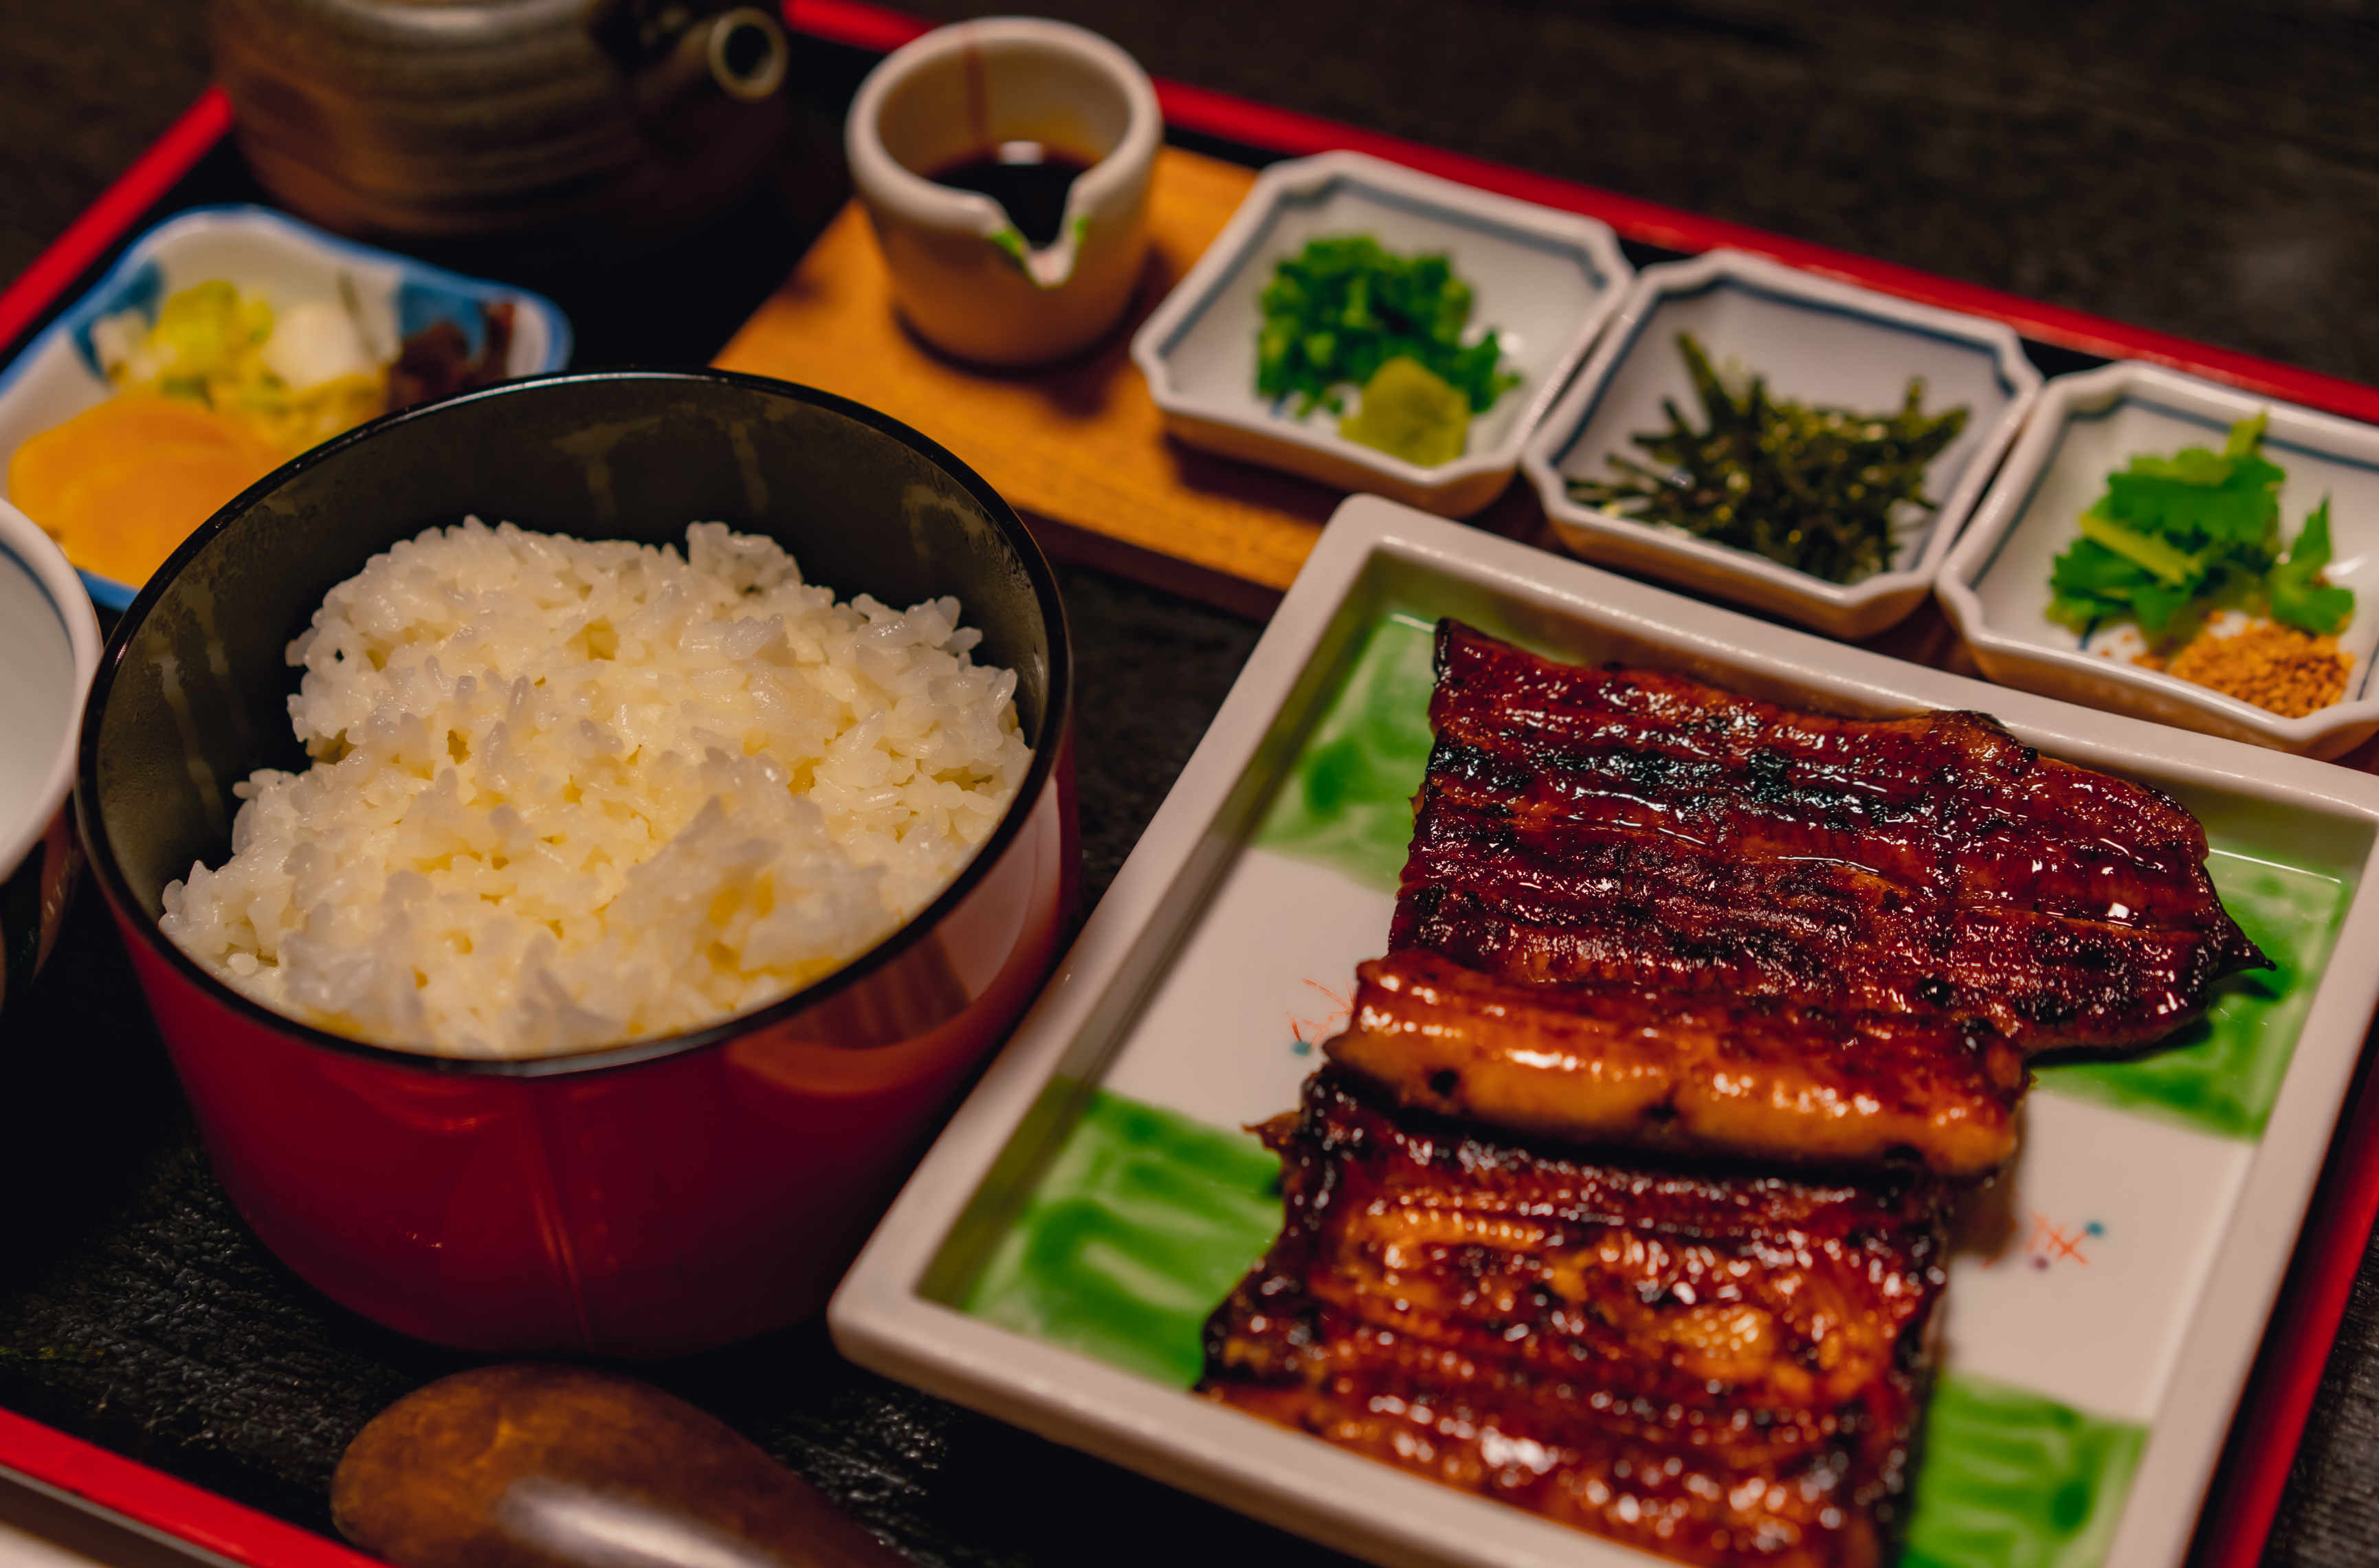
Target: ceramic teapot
x=554, y=124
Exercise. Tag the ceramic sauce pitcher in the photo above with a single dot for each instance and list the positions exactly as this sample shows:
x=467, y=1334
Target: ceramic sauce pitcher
x=978, y=100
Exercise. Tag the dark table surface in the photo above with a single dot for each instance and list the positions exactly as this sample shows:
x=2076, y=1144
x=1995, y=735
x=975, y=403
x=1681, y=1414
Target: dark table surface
x=2207, y=171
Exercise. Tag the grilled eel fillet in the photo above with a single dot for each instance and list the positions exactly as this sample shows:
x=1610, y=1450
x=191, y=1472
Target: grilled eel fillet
x=1629, y=824
x=1604, y=1062
x=1721, y=1368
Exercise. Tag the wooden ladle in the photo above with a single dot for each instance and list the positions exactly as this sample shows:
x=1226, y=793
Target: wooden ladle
x=531, y=1465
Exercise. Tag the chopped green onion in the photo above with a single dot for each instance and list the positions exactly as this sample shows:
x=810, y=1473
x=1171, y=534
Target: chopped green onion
x=1344, y=306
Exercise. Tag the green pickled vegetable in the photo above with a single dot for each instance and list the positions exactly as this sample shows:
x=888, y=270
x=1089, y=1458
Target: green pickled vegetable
x=208, y=325
x=1816, y=490
x=1409, y=412
x=2175, y=536
x=1341, y=308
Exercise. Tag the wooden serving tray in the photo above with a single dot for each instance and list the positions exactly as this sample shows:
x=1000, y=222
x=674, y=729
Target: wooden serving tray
x=1079, y=447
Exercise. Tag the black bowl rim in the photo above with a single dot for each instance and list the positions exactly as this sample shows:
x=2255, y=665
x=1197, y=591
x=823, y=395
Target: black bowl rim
x=1055, y=733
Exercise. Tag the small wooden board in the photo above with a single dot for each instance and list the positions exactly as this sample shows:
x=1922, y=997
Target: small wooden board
x=1078, y=448
x=1079, y=445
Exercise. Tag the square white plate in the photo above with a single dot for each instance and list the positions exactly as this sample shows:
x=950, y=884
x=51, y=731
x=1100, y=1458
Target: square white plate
x=1816, y=341
x=2097, y=1340
x=1543, y=281
x=1995, y=583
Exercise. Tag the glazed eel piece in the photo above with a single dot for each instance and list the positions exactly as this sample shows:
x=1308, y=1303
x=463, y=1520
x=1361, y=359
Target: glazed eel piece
x=1750, y=1075
x=1720, y=1367
x=1581, y=824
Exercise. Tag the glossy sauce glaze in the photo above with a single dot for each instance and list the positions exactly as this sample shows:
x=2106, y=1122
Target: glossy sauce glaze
x=1642, y=921
x=1626, y=824
x=1755, y=1077
x=1719, y=1366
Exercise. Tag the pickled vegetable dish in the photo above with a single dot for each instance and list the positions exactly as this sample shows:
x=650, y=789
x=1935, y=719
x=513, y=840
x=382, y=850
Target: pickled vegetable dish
x=212, y=395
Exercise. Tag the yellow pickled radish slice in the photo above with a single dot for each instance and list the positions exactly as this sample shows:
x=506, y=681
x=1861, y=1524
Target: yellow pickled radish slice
x=121, y=484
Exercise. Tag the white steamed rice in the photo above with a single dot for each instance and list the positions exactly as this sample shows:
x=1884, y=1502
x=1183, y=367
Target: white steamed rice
x=569, y=793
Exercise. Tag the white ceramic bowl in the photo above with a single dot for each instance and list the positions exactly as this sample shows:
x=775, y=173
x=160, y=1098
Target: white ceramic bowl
x=289, y=263
x=1995, y=583
x=49, y=650
x=1544, y=280
x=1816, y=341
x=961, y=272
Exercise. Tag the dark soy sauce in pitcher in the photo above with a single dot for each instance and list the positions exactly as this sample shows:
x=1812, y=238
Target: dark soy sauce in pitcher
x=1030, y=179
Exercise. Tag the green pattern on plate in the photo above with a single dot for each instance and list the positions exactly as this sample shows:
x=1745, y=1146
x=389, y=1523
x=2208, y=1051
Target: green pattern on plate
x=1134, y=1234
x=1145, y=1219
x=2012, y=1481
x=2222, y=1073
x=1348, y=800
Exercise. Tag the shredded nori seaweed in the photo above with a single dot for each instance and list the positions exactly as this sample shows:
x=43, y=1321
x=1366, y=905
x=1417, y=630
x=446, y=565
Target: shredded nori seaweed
x=1813, y=488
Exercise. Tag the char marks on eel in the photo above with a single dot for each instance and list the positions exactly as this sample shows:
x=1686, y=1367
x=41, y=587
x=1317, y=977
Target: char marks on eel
x=1646, y=921
x=1627, y=825
x=1723, y=1367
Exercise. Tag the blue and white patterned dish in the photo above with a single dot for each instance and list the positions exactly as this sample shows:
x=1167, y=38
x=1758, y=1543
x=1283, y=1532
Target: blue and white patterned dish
x=1995, y=583
x=1545, y=282
x=58, y=375
x=1816, y=341
x=49, y=651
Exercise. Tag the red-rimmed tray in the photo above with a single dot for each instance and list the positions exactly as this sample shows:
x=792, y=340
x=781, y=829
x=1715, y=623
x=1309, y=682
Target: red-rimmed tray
x=2263, y=1438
